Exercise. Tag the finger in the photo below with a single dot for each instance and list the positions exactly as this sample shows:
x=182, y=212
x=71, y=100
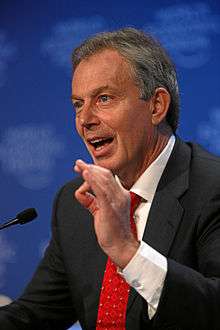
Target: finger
x=81, y=164
x=101, y=182
x=85, y=187
x=83, y=196
x=85, y=199
x=77, y=169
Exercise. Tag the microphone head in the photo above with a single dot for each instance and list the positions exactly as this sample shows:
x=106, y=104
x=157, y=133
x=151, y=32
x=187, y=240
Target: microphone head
x=26, y=216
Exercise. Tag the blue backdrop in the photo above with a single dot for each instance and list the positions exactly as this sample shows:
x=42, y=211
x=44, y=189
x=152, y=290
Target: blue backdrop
x=38, y=142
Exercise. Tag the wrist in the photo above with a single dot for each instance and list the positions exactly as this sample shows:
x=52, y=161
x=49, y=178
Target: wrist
x=122, y=255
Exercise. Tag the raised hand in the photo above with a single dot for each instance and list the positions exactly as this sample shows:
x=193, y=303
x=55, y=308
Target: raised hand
x=109, y=203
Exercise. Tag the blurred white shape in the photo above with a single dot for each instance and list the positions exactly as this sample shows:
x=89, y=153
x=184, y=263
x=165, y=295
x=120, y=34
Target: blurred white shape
x=42, y=246
x=7, y=254
x=29, y=152
x=4, y=300
x=209, y=132
x=7, y=53
x=69, y=34
x=186, y=31
x=75, y=327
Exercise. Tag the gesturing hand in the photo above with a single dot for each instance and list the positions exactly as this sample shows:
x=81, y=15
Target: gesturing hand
x=109, y=203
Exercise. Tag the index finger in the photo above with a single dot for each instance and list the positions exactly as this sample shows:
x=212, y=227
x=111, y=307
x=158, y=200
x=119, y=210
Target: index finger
x=80, y=165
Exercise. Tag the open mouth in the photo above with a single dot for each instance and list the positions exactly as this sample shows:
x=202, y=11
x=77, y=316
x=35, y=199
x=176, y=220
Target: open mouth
x=99, y=143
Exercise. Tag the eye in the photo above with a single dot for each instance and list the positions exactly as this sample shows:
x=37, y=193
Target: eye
x=104, y=98
x=77, y=105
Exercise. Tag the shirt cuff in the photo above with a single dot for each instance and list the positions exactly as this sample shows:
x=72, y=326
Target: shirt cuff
x=146, y=273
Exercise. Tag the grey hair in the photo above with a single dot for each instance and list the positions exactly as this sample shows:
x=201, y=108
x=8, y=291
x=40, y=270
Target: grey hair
x=151, y=66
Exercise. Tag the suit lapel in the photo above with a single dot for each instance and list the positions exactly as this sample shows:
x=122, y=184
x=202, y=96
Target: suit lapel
x=166, y=212
x=164, y=219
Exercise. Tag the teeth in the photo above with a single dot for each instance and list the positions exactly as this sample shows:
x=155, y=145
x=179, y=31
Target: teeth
x=100, y=142
x=96, y=141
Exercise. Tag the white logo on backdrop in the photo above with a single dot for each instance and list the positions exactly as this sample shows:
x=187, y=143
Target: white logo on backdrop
x=209, y=132
x=67, y=35
x=186, y=31
x=29, y=152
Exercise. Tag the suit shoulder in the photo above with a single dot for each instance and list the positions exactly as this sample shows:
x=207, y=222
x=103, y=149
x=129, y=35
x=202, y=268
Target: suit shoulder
x=205, y=165
x=65, y=195
x=200, y=153
x=65, y=205
x=70, y=187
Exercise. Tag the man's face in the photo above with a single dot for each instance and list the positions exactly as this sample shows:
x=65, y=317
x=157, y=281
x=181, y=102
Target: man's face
x=114, y=123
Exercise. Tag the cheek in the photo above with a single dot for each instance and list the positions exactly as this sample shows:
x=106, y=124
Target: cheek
x=134, y=137
x=78, y=126
x=126, y=142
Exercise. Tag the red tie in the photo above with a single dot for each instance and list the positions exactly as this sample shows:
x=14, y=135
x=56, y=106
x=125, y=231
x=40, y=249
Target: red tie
x=115, y=290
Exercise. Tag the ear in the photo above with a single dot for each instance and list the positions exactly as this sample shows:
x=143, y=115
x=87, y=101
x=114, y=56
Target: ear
x=160, y=105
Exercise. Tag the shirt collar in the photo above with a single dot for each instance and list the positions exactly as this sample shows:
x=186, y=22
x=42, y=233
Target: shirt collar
x=146, y=184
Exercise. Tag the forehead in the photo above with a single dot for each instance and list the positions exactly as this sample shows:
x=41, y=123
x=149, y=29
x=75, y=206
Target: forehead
x=107, y=67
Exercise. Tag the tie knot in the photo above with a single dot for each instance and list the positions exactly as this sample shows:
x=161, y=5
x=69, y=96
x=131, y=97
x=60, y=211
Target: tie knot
x=135, y=200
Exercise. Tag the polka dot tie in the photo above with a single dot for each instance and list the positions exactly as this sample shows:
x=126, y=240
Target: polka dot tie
x=115, y=290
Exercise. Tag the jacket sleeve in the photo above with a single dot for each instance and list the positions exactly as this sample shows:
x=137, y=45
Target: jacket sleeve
x=191, y=298
x=46, y=302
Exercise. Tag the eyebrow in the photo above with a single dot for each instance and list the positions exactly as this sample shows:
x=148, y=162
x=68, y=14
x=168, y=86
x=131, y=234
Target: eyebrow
x=95, y=92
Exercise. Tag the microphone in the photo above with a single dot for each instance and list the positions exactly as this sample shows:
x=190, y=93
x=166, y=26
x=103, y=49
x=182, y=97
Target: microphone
x=21, y=218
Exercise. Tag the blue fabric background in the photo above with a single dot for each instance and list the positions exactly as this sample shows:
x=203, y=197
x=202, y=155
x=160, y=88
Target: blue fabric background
x=38, y=142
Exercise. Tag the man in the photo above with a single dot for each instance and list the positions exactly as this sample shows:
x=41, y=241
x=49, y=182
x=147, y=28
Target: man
x=160, y=269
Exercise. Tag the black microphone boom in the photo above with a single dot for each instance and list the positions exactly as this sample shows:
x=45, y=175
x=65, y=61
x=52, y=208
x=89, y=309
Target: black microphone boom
x=21, y=218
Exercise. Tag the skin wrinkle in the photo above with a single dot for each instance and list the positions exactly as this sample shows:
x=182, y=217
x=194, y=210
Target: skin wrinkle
x=103, y=125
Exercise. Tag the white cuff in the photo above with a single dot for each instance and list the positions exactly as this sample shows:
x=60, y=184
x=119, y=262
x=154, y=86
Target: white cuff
x=146, y=273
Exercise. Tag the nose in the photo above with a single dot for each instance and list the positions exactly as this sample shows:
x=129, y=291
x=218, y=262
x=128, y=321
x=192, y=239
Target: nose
x=88, y=117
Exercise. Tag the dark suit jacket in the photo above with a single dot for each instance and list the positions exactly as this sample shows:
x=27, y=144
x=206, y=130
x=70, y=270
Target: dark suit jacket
x=183, y=225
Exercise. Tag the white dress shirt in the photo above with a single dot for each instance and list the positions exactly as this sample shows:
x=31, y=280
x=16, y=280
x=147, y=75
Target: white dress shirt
x=147, y=270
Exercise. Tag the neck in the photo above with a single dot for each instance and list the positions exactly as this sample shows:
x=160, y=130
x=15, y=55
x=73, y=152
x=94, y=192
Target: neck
x=153, y=150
